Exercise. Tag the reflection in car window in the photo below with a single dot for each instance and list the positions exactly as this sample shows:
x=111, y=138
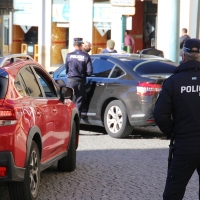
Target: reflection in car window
x=62, y=73
x=101, y=68
x=117, y=72
x=31, y=86
x=155, y=67
x=48, y=90
x=19, y=87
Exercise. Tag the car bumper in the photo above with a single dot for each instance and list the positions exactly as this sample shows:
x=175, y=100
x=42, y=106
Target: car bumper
x=13, y=173
x=141, y=120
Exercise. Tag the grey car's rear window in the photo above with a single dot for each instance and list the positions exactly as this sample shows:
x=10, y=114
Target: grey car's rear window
x=152, y=67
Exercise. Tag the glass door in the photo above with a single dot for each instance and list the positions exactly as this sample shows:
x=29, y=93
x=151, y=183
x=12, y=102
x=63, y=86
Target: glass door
x=5, y=34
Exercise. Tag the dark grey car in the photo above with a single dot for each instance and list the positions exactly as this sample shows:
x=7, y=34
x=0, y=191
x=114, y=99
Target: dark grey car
x=122, y=91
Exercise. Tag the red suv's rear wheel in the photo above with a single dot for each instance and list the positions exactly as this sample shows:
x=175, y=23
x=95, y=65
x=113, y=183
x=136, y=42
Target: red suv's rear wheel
x=29, y=188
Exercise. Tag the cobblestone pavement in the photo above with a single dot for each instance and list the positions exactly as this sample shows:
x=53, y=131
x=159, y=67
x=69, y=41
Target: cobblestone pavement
x=113, y=169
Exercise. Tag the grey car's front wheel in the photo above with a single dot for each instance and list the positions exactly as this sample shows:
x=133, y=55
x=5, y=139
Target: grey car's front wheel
x=116, y=120
x=29, y=188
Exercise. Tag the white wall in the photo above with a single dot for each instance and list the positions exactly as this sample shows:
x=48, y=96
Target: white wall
x=81, y=20
x=184, y=15
x=168, y=28
x=44, y=35
x=116, y=31
x=194, y=20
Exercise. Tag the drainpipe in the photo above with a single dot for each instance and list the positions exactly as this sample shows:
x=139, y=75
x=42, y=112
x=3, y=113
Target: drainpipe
x=123, y=30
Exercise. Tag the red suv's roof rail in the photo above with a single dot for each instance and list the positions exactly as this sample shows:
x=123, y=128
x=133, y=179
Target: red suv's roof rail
x=12, y=58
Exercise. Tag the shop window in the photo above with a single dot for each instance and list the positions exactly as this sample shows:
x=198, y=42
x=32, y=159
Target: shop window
x=101, y=25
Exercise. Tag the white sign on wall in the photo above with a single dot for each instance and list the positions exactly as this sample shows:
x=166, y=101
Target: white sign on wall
x=123, y=2
x=28, y=14
x=101, y=12
x=60, y=11
x=123, y=10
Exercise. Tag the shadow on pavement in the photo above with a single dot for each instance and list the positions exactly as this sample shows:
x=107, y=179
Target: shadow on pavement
x=147, y=132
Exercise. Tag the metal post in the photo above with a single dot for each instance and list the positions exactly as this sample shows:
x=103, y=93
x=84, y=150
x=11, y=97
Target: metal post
x=123, y=31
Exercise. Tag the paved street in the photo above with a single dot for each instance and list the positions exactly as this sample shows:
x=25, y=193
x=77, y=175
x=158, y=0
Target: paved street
x=113, y=169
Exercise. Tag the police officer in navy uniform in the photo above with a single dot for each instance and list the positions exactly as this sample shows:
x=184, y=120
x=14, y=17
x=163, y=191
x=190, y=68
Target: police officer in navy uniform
x=177, y=111
x=78, y=67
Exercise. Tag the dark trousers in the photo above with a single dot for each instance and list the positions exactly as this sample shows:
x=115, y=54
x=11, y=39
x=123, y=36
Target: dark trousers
x=79, y=90
x=180, y=171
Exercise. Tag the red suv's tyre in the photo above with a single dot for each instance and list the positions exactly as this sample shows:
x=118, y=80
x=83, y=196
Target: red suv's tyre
x=68, y=163
x=29, y=188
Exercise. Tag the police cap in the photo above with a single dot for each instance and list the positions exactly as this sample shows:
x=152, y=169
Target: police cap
x=78, y=41
x=190, y=44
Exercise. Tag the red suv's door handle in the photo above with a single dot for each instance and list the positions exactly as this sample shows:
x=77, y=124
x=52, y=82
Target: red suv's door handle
x=54, y=110
x=38, y=113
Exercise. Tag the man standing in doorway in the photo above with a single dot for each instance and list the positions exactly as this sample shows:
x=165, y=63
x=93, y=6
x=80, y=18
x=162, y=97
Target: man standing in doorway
x=78, y=67
x=86, y=47
x=184, y=37
x=129, y=41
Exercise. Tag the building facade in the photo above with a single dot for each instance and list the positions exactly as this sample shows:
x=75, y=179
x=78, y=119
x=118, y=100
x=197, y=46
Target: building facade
x=45, y=29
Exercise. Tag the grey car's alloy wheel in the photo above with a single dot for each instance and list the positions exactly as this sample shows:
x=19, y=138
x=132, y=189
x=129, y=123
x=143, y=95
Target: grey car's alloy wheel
x=116, y=121
x=29, y=188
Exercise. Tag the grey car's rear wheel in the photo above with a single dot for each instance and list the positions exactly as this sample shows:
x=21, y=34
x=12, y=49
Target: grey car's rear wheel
x=29, y=188
x=68, y=163
x=116, y=120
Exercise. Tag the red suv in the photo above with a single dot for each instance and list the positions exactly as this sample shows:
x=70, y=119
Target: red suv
x=39, y=125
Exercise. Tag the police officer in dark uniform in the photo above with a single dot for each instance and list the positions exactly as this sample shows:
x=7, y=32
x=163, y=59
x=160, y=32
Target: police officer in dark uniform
x=78, y=67
x=177, y=111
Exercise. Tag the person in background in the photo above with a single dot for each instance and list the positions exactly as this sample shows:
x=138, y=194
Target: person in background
x=110, y=47
x=129, y=41
x=177, y=112
x=86, y=47
x=184, y=37
x=78, y=67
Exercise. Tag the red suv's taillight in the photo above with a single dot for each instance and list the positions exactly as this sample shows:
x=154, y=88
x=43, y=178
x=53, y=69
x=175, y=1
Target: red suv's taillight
x=7, y=116
x=3, y=171
x=148, y=89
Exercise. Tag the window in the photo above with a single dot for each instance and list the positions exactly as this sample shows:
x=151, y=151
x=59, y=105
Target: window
x=63, y=73
x=117, y=72
x=155, y=67
x=48, y=90
x=102, y=68
x=20, y=87
x=30, y=82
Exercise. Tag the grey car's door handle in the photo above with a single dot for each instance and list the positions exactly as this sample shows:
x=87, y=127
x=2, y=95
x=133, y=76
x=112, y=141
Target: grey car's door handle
x=100, y=84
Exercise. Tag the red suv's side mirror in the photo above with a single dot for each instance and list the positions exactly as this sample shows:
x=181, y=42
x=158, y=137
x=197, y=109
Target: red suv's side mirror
x=66, y=93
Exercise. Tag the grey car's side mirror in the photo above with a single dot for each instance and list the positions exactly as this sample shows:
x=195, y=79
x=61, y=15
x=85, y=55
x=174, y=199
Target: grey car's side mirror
x=66, y=93
x=51, y=74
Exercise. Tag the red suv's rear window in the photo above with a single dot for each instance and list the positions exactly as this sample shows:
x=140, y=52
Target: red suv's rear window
x=3, y=83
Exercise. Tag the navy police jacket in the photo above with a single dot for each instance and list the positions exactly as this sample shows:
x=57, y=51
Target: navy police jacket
x=78, y=65
x=177, y=108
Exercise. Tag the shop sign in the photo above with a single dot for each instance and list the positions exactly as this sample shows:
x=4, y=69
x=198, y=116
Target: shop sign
x=60, y=11
x=123, y=2
x=101, y=12
x=123, y=10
